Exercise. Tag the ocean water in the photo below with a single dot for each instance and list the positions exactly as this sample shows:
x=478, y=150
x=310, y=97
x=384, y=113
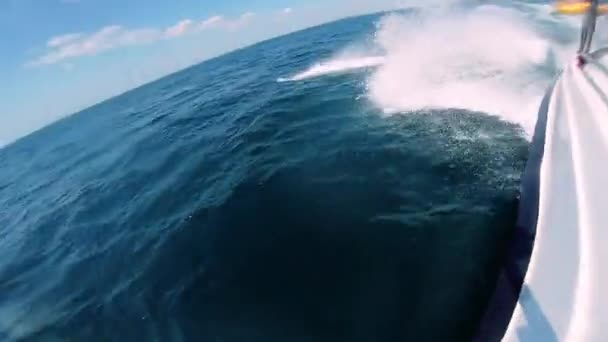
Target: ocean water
x=355, y=181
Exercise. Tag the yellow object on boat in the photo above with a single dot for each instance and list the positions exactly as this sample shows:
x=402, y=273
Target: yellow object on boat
x=578, y=7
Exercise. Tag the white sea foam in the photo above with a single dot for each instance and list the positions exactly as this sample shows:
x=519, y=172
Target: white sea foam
x=335, y=66
x=487, y=58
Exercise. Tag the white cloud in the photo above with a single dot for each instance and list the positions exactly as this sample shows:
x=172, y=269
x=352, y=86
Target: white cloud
x=73, y=45
x=179, y=29
x=63, y=39
x=287, y=10
x=211, y=22
x=107, y=38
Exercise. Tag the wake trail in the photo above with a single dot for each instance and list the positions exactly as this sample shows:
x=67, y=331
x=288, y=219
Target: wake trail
x=336, y=66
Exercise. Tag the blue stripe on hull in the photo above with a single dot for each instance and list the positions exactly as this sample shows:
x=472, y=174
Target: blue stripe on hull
x=515, y=265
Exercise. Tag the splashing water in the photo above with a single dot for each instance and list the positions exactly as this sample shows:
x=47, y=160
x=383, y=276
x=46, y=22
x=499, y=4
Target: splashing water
x=490, y=59
x=338, y=65
x=485, y=60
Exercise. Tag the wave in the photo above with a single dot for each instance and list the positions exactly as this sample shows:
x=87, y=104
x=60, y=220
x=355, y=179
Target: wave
x=486, y=58
x=338, y=65
x=490, y=59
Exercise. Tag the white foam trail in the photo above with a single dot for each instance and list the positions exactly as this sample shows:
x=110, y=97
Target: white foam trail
x=487, y=59
x=338, y=65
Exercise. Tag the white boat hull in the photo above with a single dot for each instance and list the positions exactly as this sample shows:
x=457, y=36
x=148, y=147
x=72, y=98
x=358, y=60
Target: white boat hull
x=564, y=296
x=554, y=286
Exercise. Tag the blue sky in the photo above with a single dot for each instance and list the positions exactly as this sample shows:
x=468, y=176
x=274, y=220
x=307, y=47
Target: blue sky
x=60, y=56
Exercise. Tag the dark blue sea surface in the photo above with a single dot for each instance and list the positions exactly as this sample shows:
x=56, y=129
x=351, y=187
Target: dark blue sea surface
x=218, y=204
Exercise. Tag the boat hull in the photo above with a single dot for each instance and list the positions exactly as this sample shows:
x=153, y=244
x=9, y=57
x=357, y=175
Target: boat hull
x=554, y=285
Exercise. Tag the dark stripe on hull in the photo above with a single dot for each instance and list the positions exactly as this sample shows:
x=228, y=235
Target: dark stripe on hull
x=508, y=287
